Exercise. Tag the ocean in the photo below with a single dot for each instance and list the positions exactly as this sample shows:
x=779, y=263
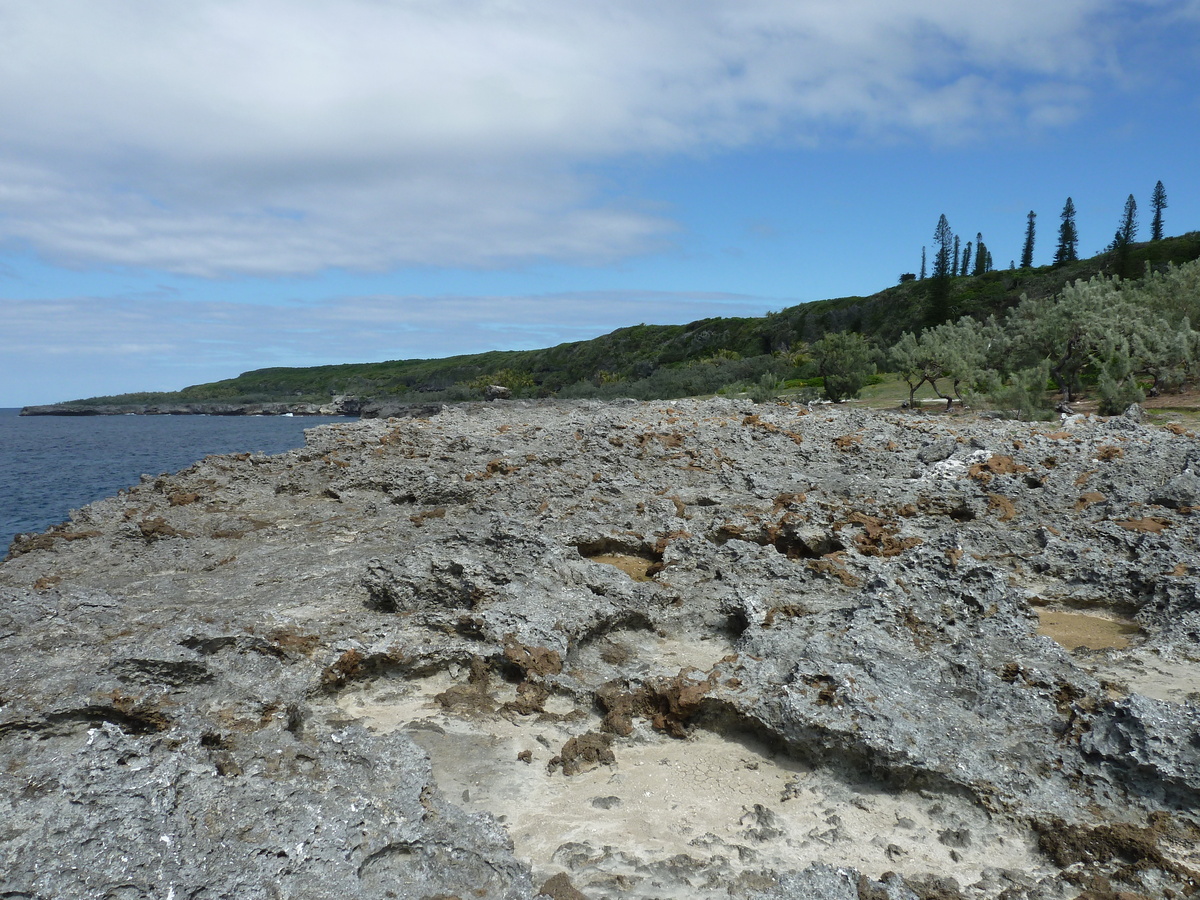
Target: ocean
x=50, y=465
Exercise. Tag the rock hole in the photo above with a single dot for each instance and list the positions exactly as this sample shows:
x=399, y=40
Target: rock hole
x=639, y=562
x=962, y=513
x=1079, y=629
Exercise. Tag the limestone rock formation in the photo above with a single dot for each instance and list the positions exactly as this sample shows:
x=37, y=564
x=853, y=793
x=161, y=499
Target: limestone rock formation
x=650, y=650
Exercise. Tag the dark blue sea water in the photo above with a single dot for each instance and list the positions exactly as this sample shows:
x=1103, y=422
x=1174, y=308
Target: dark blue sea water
x=50, y=465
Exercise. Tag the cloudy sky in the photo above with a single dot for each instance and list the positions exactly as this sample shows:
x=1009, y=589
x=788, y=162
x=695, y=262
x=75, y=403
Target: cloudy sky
x=192, y=190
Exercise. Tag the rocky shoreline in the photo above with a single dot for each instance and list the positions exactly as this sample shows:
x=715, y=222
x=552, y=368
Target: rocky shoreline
x=340, y=406
x=652, y=650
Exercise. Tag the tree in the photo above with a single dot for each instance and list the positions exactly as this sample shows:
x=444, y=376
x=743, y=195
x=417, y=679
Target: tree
x=954, y=258
x=939, y=292
x=1123, y=239
x=1174, y=293
x=962, y=347
x=953, y=350
x=966, y=259
x=1128, y=230
x=908, y=358
x=981, y=255
x=844, y=360
x=1158, y=202
x=943, y=239
x=1027, y=251
x=922, y=263
x=1068, y=236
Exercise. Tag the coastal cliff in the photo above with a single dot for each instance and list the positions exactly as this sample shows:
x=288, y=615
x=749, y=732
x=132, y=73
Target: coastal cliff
x=673, y=649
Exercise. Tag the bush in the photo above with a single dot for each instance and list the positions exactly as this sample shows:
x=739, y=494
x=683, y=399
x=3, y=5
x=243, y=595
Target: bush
x=1117, y=395
x=1022, y=394
x=845, y=360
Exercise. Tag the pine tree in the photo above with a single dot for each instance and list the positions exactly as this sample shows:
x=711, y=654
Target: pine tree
x=954, y=258
x=922, y=263
x=980, y=254
x=988, y=265
x=966, y=259
x=1123, y=239
x=944, y=239
x=1027, y=251
x=1158, y=202
x=943, y=263
x=1068, y=236
x=1128, y=230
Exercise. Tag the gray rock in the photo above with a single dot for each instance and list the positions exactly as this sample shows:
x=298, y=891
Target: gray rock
x=936, y=451
x=1182, y=490
x=363, y=667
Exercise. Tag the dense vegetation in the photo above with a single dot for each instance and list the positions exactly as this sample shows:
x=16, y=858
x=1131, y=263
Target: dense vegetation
x=1117, y=339
x=835, y=342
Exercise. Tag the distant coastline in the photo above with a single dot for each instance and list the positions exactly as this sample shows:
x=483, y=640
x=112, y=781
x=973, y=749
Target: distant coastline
x=350, y=407
x=185, y=409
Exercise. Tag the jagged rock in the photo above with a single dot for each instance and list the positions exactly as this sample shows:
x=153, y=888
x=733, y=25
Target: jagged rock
x=1181, y=491
x=779, y=651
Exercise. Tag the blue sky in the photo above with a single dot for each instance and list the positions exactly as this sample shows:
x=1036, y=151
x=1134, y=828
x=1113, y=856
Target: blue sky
x=190, y=191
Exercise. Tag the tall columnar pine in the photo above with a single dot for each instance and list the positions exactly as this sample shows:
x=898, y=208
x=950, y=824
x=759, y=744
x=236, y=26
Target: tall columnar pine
x=939, y=309
x=966, y=259
x=1128, y=230
x=980, y=255
x=954, y=258
x=1068, y=236
x=1027, y=250
x=922, y=263
x=1158, y=202
x=943, y=264
x=943, y=238
x=1123, y=239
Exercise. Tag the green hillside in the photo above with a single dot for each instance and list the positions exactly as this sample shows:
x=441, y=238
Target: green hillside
x=669, y=360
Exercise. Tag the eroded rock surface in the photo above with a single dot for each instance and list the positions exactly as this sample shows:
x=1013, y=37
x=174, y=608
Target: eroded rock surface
x=650, y=650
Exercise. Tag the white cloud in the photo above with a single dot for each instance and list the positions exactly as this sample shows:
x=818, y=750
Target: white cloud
x=284, y=136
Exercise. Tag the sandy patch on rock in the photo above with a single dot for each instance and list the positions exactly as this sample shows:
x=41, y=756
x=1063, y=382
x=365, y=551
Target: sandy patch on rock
x=1172, y=679
x=1075, y=629
x=669, y=813
x=635, y=567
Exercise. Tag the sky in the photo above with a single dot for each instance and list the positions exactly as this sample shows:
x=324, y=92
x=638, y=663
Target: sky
x=193, y=190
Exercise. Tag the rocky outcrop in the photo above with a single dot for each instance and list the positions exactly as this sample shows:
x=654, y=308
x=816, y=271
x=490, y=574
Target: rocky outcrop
x=687, y=649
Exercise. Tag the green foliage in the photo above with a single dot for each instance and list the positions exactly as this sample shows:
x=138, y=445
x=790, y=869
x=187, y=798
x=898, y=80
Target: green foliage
x=943, y=238
x=1158, y=202
x=663, y=360
x=517, y=382
x=1021, y=393
x=1173, y=292
x=1027, y=249
x=1068, y=236
x=1101, y=331
x=845, y=360
x=953, y=351
x=982, y=257
x=1124, y=238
